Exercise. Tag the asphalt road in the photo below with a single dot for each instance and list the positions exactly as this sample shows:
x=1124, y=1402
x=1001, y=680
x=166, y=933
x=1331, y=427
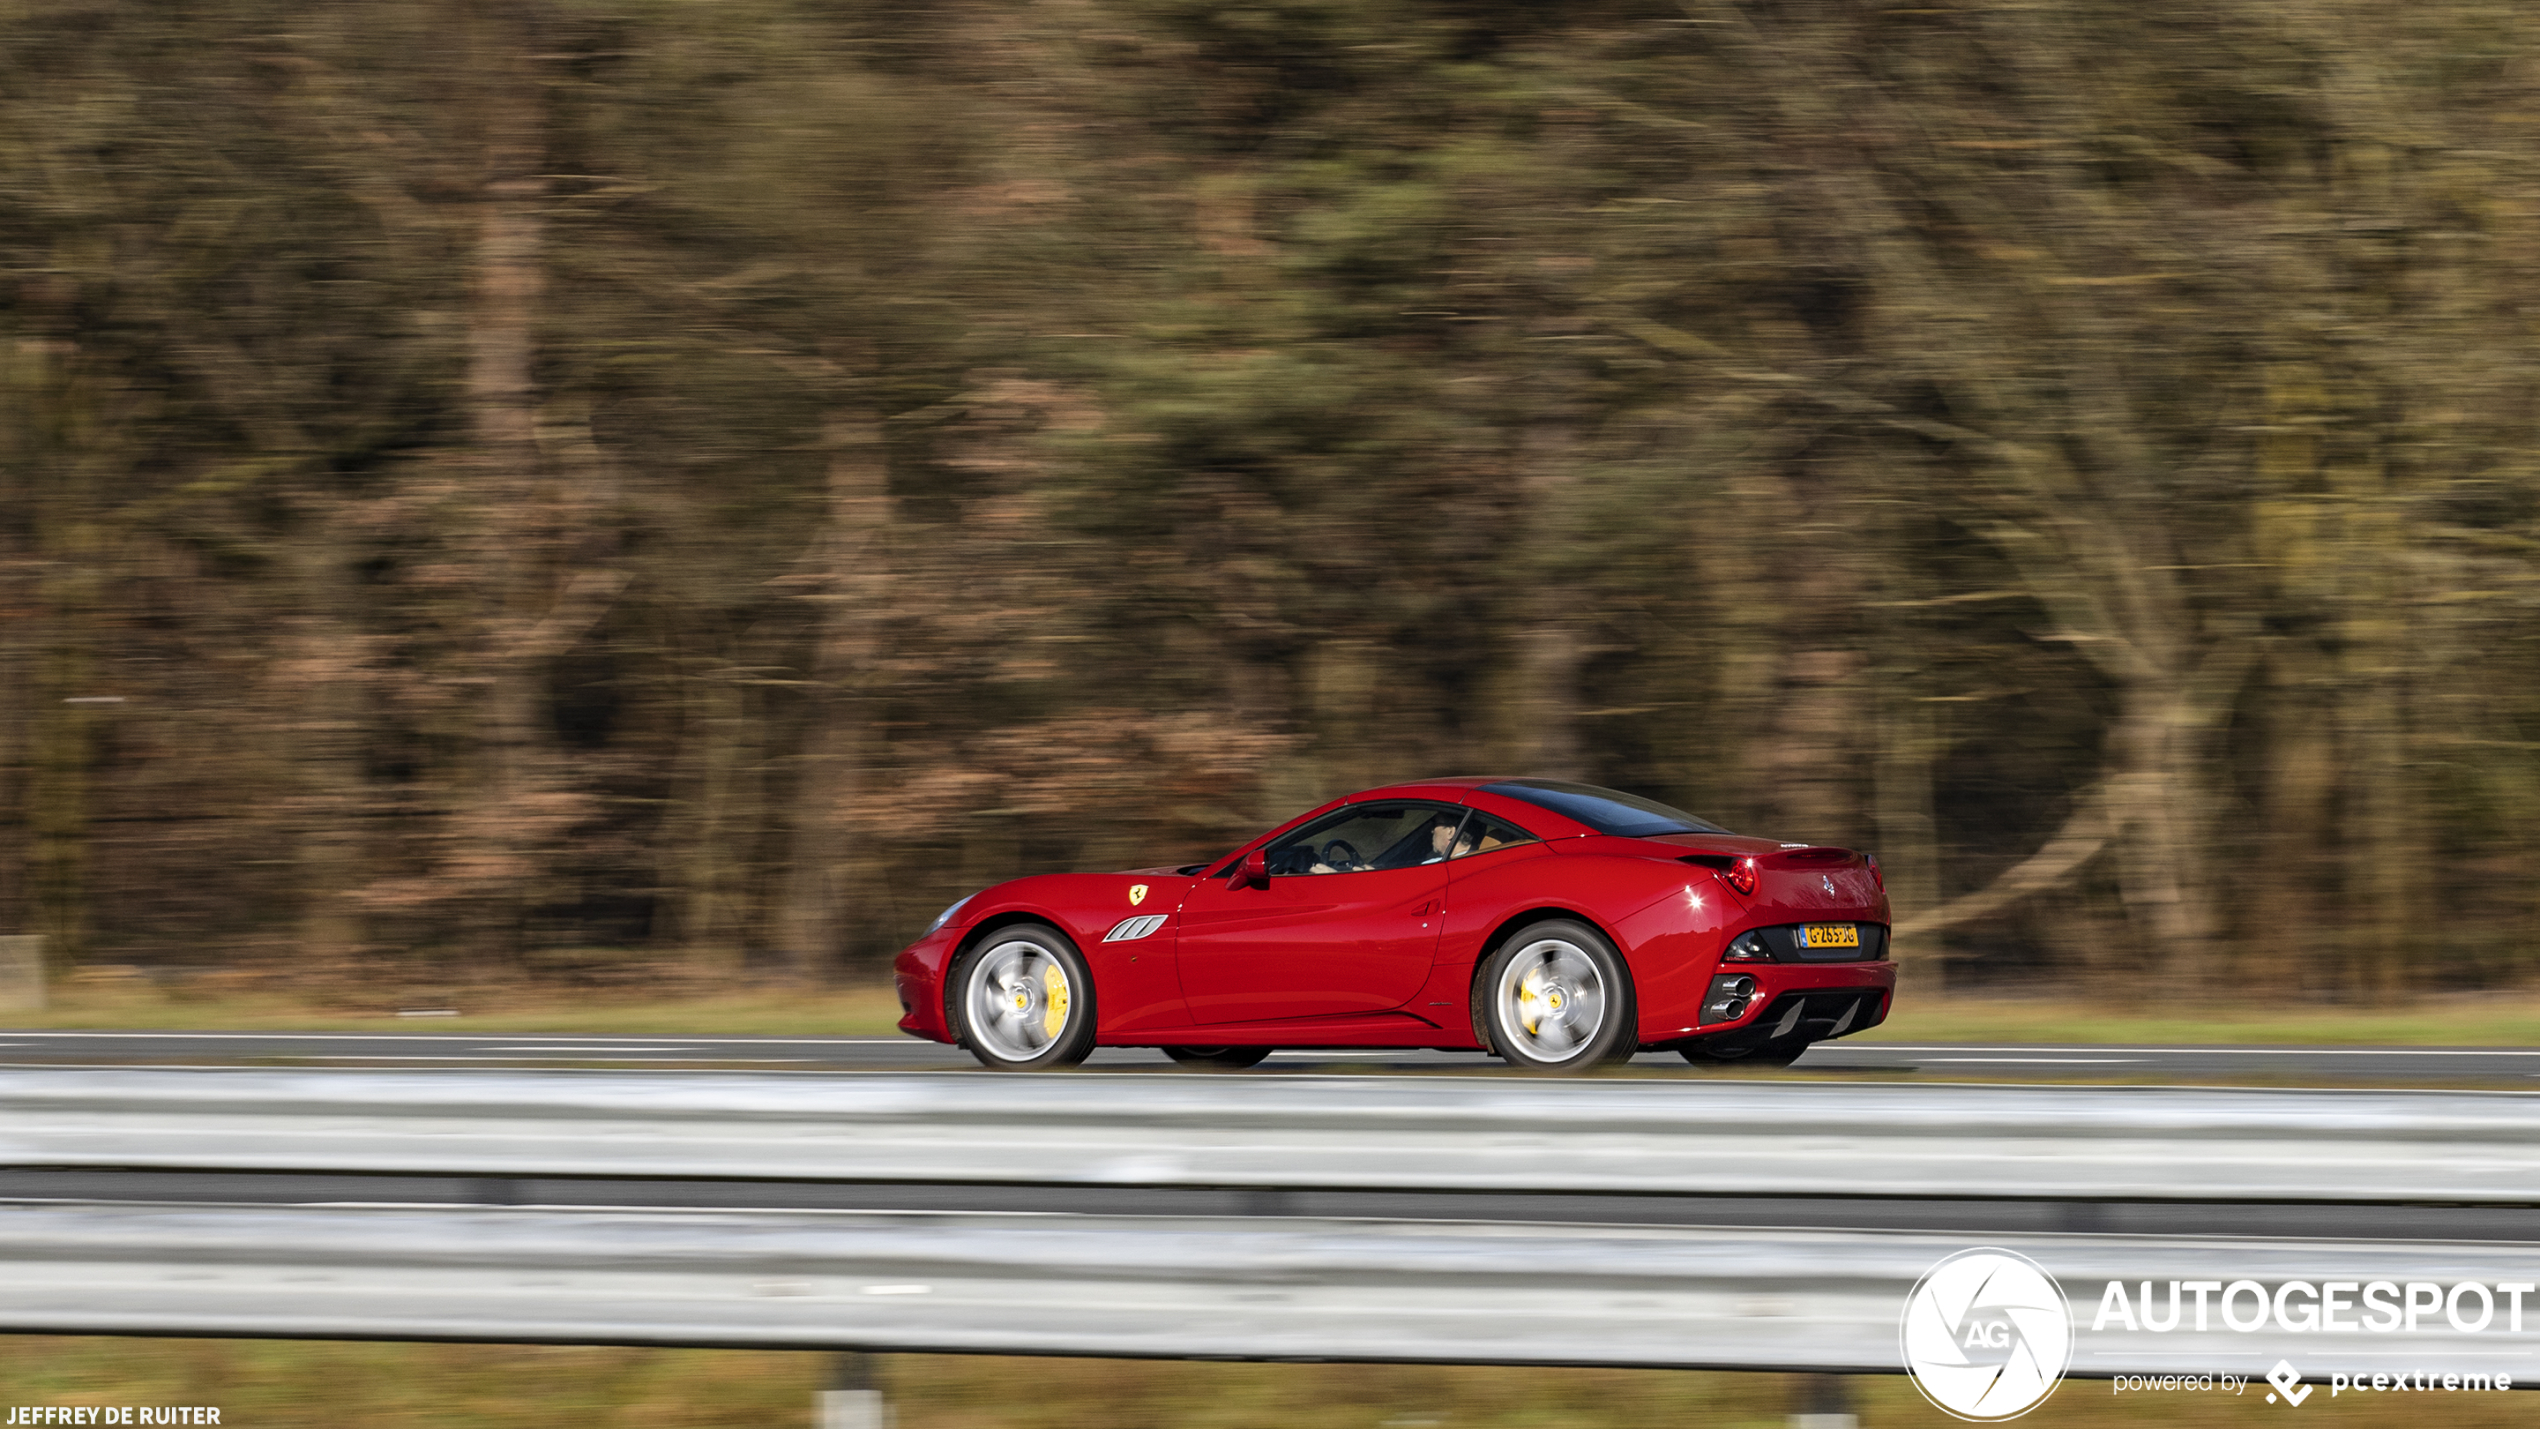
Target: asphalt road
x=1955, y=1061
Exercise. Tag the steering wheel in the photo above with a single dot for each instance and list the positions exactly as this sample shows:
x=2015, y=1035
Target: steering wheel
x=1341, y=856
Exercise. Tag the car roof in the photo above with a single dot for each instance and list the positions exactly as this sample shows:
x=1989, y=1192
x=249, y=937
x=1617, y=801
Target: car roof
x=1472, y=790
x=1413, y=787
x=1461, y=788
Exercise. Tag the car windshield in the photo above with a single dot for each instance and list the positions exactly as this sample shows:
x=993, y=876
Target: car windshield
x=1608, y=811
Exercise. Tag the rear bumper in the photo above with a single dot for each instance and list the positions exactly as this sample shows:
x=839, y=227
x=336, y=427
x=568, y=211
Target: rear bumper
x=1818, y=1015
x=1820, y=995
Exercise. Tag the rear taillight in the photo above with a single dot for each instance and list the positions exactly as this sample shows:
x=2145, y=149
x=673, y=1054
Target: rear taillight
x=1875, y=876
x=1741, y=876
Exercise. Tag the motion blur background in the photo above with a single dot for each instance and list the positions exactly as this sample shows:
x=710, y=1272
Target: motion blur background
x=627, y=490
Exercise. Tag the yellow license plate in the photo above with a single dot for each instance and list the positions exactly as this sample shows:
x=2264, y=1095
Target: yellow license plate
x=1831, y=935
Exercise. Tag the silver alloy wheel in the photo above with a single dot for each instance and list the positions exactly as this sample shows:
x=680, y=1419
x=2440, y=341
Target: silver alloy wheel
x=1019, y=999
x=1550, y=1001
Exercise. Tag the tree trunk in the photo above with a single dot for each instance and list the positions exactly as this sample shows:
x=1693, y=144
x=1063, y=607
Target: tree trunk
x=854, y=589
x=1552, y=630
x=60, y=647
x=16, y=691
x=2387, y=869
x=18, y=633
x=327, y=730
x=709, y=840
x=1909, y=835
x=1551, y=657
x=57, y=801
x=505, y=466
x=2295, y=825
x=2162, y=861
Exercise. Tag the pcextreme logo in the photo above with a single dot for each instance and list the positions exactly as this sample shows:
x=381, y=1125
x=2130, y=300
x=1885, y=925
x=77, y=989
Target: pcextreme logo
x=2288, y=1382
x=1987, y=1335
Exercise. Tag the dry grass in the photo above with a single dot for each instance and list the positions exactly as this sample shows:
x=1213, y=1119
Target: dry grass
x=321, y=1385
x=2499, y=1019
x=139, y=1004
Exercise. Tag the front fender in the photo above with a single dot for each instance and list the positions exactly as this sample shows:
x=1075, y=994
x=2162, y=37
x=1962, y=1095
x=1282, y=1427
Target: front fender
x=1135, y=985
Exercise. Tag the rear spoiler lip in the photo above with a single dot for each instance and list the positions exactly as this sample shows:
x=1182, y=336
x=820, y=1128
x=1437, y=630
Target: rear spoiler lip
x=1806, y=856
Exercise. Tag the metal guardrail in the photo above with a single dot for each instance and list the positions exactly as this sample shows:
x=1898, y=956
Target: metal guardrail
x=1244, y=1288
x=1438, y=1292
x=1748, y=1138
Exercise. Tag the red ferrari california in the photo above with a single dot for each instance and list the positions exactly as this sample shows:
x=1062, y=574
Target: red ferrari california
x=1559, y=926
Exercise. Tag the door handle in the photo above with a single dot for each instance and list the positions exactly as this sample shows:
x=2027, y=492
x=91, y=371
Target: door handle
x=1428, y=908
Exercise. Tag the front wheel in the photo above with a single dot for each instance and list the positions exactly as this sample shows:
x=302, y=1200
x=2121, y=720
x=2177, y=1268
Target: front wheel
x=1024, y=1000
x=1224, y=1059
x=1555, y=997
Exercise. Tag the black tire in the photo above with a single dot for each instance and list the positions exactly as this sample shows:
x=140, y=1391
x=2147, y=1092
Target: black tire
x=1050, y=1024
x=1767, y=1054
x=1224, y=1059
x=1541, y=969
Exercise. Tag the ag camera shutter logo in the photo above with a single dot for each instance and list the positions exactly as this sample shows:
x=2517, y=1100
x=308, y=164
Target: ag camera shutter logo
x=1987, y=1335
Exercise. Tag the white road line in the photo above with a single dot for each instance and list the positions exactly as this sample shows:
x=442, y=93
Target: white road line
x=605, y=1047
x=2032, y=1061
x=488, y=1057
x=556, y=1068
x=2210, y=1051
x=442, y=1037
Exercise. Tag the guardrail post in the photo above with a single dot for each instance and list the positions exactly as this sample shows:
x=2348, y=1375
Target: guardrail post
x=854, y=1398
x=22, y=973
x=1823, y=1401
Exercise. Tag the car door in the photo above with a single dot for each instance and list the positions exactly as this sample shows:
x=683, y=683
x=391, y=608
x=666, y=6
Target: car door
x=1347, y=925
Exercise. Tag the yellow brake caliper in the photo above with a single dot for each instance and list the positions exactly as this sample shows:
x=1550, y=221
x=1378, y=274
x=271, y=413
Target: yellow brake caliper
x=1054, y=1013
x=1530, y=1000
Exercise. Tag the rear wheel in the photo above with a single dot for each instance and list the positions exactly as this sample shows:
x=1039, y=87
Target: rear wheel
x=1555, y=997
x=1024, y=1000
x=1227, y=1059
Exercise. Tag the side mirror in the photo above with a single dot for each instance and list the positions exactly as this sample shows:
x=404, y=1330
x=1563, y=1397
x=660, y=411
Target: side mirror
x=1253, y=872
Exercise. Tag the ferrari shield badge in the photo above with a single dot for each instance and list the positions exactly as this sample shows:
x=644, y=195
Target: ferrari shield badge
x=1137, y=894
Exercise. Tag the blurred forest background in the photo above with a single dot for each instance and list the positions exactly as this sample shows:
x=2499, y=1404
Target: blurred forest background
x=613, y=489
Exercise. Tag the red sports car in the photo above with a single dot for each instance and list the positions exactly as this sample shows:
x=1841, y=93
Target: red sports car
x=1557, y=925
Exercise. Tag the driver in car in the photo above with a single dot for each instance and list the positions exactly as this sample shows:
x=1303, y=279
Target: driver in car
x=1443, y=844
x=1338, y=857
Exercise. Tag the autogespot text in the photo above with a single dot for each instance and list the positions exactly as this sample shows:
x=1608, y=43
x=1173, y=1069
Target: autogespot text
x=2376, y=1307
